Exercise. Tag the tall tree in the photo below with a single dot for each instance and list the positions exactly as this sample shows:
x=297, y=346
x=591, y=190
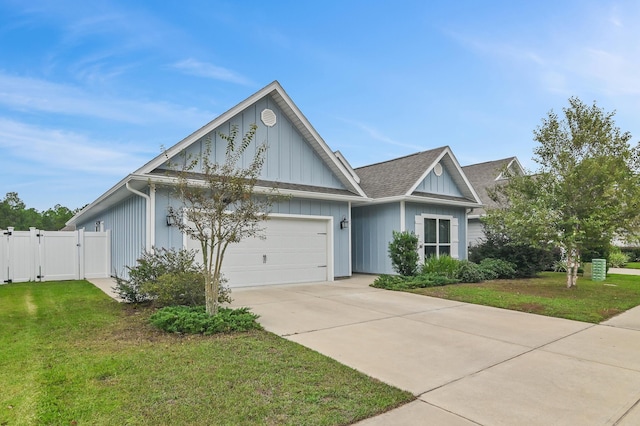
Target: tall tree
x=586, y=189
x=219, y=204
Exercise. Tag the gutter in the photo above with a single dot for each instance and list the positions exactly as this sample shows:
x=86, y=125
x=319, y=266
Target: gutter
x=150, y=210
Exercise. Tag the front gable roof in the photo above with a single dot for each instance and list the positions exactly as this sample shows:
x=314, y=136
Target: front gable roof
x=293, y=114
x=402, y=177
x=484, y=176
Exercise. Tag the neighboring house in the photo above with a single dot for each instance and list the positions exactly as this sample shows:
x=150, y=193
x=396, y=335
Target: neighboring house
x=484, y=176
x=426, y=193
x=337, y=220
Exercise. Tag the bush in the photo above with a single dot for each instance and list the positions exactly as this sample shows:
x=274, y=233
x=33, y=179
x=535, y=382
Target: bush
x=469, y=272
x=396, y=282
x=443, y=265
x=617, y=259
x=176, y=288
x=195, y=320
x=497, y=269
x=166, y=277
x=527, y=260
x=403, y=251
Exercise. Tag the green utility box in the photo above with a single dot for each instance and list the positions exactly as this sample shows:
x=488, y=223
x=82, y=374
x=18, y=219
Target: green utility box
x=598, y=269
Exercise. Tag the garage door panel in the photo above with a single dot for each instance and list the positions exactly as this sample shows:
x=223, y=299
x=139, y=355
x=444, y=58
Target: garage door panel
x=294, y=250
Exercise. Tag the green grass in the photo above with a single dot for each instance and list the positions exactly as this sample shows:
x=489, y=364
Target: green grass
x=547, y=295
x=70, y=355
x=633, y=265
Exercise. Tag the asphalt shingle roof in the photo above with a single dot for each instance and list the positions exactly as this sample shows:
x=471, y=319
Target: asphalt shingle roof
x=396, y=177
x=483, y=176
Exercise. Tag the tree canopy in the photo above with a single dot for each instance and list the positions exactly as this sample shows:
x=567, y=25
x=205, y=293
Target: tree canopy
x=14, y=212
x=587, y=187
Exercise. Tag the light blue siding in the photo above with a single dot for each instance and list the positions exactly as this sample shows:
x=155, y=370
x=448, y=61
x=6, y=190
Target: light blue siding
x=371, y=231
x=442, y=184
x=166, y=236
x=288, y=159
x=127, y=222
x=414, y=209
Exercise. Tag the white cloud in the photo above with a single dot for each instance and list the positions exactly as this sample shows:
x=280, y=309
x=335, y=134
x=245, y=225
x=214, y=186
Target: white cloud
x=30, y=94
x=378, y=136
x=203, y=69
x=57, y=149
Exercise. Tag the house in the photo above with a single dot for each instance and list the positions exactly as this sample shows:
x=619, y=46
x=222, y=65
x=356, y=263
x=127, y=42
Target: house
x=484, y=176
x=336, y=220
x=426, y=193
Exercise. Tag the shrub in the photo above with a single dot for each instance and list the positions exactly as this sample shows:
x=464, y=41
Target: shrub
x=469, y=272
x=617, y=259
x=396, y=282
x=167, y=277
x=528, y=260
x=497, y=269
x=176, y=288
x=403, y=251
x=195, y=320
x=443, y=265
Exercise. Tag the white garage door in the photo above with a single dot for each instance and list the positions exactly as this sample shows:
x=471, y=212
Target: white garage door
x=295, y=250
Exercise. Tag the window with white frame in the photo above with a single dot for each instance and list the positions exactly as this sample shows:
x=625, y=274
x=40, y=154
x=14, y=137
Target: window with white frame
x=437, y=237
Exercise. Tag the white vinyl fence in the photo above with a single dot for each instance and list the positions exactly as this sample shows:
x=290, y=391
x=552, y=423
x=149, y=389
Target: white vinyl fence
x=53, y=255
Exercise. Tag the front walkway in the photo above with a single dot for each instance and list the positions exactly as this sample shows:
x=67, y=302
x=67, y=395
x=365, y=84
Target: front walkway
x=467, y=364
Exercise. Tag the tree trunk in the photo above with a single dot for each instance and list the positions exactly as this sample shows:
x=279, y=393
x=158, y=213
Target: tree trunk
x=572, y=269
x=210, y=296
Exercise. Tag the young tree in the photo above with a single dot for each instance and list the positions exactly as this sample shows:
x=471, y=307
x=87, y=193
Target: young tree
x=219, y=203
x=587, y=187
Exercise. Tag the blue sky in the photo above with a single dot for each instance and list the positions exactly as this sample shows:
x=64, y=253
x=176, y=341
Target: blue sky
x=90, y=91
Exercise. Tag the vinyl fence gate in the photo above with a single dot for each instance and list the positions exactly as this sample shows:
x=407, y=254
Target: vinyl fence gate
x=36, y=255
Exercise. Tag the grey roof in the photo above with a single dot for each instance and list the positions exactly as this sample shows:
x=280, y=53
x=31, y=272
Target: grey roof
x=484, y=176
x=396, y=177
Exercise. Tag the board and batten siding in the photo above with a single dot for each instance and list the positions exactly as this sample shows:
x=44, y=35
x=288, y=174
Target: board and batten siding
x=371, y=231
x=414, y=209
x=442, y=184
x=127, y=222
x=289, y=158
x=170, y=236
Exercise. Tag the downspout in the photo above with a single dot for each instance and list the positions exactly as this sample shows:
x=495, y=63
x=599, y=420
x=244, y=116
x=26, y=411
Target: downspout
x=150, y=209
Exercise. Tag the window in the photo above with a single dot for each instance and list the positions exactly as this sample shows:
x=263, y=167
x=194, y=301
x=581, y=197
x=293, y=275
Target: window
x=437, y=237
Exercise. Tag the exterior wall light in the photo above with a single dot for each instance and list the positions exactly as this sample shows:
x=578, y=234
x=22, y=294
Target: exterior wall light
x=170, y=220
x=344, y=223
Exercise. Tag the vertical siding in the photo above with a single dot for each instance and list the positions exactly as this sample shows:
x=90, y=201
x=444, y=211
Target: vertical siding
x=414, y=209
x=166, y=236
x=127, y=222
x=371, y=231
x=289, y=157
x=442, y=184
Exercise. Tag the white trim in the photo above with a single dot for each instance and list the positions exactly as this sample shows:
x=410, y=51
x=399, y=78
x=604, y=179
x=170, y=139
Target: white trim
x=513, y=160
x=403, y=225
x=298, y=116
x=349, y=230
x=346, y=164
x=454, y=242
x=445, y=151
x=416, y=199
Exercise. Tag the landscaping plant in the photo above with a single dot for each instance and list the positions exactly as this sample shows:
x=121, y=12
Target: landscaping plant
x=403, y=251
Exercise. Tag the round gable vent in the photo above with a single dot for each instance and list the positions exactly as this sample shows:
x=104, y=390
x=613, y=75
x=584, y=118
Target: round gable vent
x=437, y=169
x=268, y=117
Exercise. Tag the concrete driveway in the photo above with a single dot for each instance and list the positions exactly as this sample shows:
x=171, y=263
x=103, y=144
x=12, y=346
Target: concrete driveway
x=467, y=364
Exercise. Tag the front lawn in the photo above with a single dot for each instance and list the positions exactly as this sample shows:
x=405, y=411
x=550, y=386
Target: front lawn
x=633, y=265
x=71, y=356
x=547, y=295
